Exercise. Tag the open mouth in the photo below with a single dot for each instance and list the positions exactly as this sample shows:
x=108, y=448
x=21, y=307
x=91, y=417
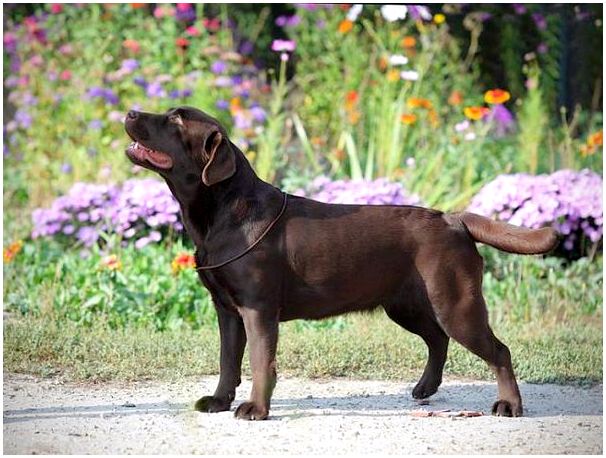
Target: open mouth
x=146, y=156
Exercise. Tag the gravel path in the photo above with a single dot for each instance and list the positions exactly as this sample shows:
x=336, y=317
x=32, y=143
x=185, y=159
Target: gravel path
x=334, y=416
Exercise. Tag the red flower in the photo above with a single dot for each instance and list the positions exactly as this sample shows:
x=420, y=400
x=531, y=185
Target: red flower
x=211, y=24
x=56, y=8
x=182, y=42
x=131, y=45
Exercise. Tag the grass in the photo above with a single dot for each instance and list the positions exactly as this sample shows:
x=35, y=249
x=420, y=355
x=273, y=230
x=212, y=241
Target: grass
x=369, y=346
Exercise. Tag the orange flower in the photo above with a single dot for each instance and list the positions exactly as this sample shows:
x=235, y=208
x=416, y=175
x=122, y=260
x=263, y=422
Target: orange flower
x=456, y=98
x=433, y=118
x=415, y=102
x=393, y=75
x=131, y=45
x=383, y=61
x=351, y=98
x=11, y=251
x=409, y=42
x=345, y=26
x=496, y=96
x=235, y=105
x=475, y=113
x=408, y=119
x=111, y=262
x=354, y=116
x=596, y=139
x=137, y=5
x=183, y=261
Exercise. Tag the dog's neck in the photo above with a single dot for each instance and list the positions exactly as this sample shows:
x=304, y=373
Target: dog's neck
x=223, y=218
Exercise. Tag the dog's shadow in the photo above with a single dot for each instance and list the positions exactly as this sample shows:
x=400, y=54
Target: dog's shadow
x=539, y=401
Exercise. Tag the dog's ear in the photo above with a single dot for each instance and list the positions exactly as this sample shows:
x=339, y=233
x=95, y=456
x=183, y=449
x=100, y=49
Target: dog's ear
x=222, y=161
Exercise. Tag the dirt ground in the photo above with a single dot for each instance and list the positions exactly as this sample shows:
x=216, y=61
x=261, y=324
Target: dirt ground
x=333, y=416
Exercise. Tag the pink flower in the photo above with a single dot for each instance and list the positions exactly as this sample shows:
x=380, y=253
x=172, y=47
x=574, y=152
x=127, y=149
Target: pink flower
x=65, y=75
x=193, y=31
x=183, y=7
x=56, y=8
x=283, y=45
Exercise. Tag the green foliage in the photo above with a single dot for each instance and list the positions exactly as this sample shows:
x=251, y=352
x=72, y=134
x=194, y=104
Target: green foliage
x=533, y=121
x=44, y=279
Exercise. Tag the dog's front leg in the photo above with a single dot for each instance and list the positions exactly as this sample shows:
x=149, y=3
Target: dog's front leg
x=262, y=332
x=233, y=341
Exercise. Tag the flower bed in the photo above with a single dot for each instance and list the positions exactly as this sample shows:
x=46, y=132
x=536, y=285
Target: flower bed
x=369, y=192
x=567, y=200
x=141, y=209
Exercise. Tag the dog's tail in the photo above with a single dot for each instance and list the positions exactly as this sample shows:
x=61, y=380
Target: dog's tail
x=507, y=237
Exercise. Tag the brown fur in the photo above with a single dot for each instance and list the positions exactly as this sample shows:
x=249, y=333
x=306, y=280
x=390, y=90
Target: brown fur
x=321, y=260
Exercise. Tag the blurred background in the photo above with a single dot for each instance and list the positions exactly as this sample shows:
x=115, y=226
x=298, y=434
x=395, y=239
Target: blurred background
x=493, y=108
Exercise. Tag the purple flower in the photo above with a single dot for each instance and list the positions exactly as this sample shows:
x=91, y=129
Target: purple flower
x=105, y=93
x=222, y=104
x=539, y=21
x=185, y=12
x=23, y=119
x=378, y=192
x=258, y=113
x=223, y=81
x=519, y=8
x=140, y=81
x=66, y=167
x=418, y=12
x=218, y=67
x=502, y=120
x=542, y=48
x=567, y=200
x=288, y=21
x=246, y=47
x=129, y=65
x=242, y=120
x=95, y=124
x=155, y=90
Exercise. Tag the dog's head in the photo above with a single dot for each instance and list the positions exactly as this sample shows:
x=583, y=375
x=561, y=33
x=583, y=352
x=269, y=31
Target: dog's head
x=183, y=141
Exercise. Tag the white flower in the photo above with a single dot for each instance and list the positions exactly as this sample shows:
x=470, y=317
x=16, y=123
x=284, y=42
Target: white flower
x=470, y=136
x=409, y=75
x=398, y=59
x=354, y=12
x=393, y=13
x=462, y=126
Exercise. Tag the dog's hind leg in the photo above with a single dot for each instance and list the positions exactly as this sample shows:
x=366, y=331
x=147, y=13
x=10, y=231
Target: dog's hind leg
x=425, y=326
x=468, y=325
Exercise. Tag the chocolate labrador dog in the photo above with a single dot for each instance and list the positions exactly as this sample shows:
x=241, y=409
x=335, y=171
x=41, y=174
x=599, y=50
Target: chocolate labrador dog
x=266, y=256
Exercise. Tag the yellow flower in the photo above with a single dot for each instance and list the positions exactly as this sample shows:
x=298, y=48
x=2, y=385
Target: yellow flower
x=183, y=261
x=496, y=96
x=393, y=75
x=408, y=119
x=345, y=26
x=439, y=18
x=11, y=251
x=111, y=262
x=475, y=113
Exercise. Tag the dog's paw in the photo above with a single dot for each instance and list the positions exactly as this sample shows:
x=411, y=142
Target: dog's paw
x=503, y=408
x=424, y=390
x=212, y=404
x=250, y=411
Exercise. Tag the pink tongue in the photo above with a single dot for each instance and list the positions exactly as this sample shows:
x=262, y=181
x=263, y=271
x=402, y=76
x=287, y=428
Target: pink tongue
x=159, y=159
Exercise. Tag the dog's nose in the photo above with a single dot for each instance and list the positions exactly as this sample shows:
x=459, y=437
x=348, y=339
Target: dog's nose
x=132, y=115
